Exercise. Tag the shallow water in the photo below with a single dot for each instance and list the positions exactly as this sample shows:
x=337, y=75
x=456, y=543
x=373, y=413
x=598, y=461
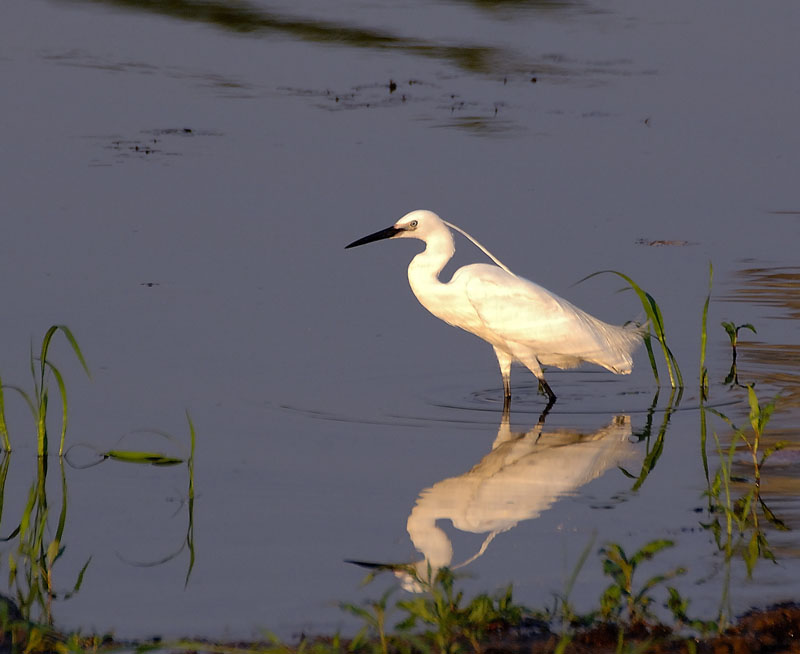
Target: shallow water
x=178, y=187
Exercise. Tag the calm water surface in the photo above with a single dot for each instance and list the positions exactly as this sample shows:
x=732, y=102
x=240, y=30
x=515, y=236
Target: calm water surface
x=178, y=184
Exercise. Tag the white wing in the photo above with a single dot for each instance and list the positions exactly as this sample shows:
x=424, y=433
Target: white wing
x=524, y=314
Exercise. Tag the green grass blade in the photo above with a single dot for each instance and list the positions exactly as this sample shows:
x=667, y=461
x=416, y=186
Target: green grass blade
x=48, y=337
x=3, y=425
x=40, y=385
x=79, y=580
x=654, y=453
x=650, y=460
x=678, y=374
x=46, y=346
x=33, y=376
x=190, y=528
x=651, y=549
x=579, y=566
x=24, y=395
x=150, y=458
x=191, y=453
x=704, y=374
x=41, y=426
x=25, y=522
x=649, y=347
x=703, y=441
x=5, y=462
x=75, y=348
x=656, y=322
x=62, y=389
x=62, y=516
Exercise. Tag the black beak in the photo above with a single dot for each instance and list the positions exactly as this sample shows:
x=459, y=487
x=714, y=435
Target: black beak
x=377, y=236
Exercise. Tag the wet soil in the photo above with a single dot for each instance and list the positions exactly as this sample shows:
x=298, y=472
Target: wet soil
x=773, y=630
x=776, y=629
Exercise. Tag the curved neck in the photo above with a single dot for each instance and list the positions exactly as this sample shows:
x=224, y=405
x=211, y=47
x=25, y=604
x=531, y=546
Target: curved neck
x=426, y=266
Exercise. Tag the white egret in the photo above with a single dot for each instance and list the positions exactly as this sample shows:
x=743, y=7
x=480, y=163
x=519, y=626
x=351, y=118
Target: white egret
x=521, y=320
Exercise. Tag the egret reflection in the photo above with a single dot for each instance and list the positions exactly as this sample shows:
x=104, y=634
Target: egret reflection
x=524, y=474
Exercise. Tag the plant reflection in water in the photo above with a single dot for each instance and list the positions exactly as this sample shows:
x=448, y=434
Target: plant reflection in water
x=37, y=545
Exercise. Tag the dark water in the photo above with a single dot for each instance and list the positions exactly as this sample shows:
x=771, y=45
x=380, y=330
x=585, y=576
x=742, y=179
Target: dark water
x=178, y=183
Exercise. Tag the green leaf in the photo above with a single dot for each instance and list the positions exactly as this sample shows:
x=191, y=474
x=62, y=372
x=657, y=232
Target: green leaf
x=75, y=347
x=771, y=450
x=3, y=426
x=611, y=601
x=677, y=604
x=774, y=520
x=650, y=549
x=730, y=328
x=62, y=389
x=751, y=554
x=151, y=458
x=755, y=409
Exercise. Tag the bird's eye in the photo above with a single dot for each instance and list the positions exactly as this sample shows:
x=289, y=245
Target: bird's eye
x=413, y=224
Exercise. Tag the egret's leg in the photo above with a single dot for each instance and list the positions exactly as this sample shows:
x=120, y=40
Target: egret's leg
x=547, y=390
x=549, y=406
x=504, y=359
x=532, y=364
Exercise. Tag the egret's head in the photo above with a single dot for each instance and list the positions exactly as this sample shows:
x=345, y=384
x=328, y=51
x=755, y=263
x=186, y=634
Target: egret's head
x=417, y=224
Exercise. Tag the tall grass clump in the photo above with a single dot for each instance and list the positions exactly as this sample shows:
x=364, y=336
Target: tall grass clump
x=744, y=515
x=39, y=547
x=38, y=401
x=738, y=513
x=621, y=596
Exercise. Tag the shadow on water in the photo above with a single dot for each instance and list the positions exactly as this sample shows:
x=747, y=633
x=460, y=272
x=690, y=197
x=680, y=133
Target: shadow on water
x=248, y=18
x=523, y=475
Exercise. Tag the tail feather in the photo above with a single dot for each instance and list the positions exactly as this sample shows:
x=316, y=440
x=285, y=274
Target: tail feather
x=619, y=345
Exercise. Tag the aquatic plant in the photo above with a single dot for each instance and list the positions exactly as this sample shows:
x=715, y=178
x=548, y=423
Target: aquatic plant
x=39, y=399
x=744, y=513
x=655, y=324
x=564, y=612
x=31, y=566
x=679, y=607
x=655, y=449
x=373, y=613
x=733, y=334
x=621, y=596
x=453, y=623
x=738, y=512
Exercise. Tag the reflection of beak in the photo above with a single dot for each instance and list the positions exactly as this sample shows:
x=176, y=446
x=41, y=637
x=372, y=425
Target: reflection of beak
x=407, y=573
x=377, y=236
x=371, y=565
